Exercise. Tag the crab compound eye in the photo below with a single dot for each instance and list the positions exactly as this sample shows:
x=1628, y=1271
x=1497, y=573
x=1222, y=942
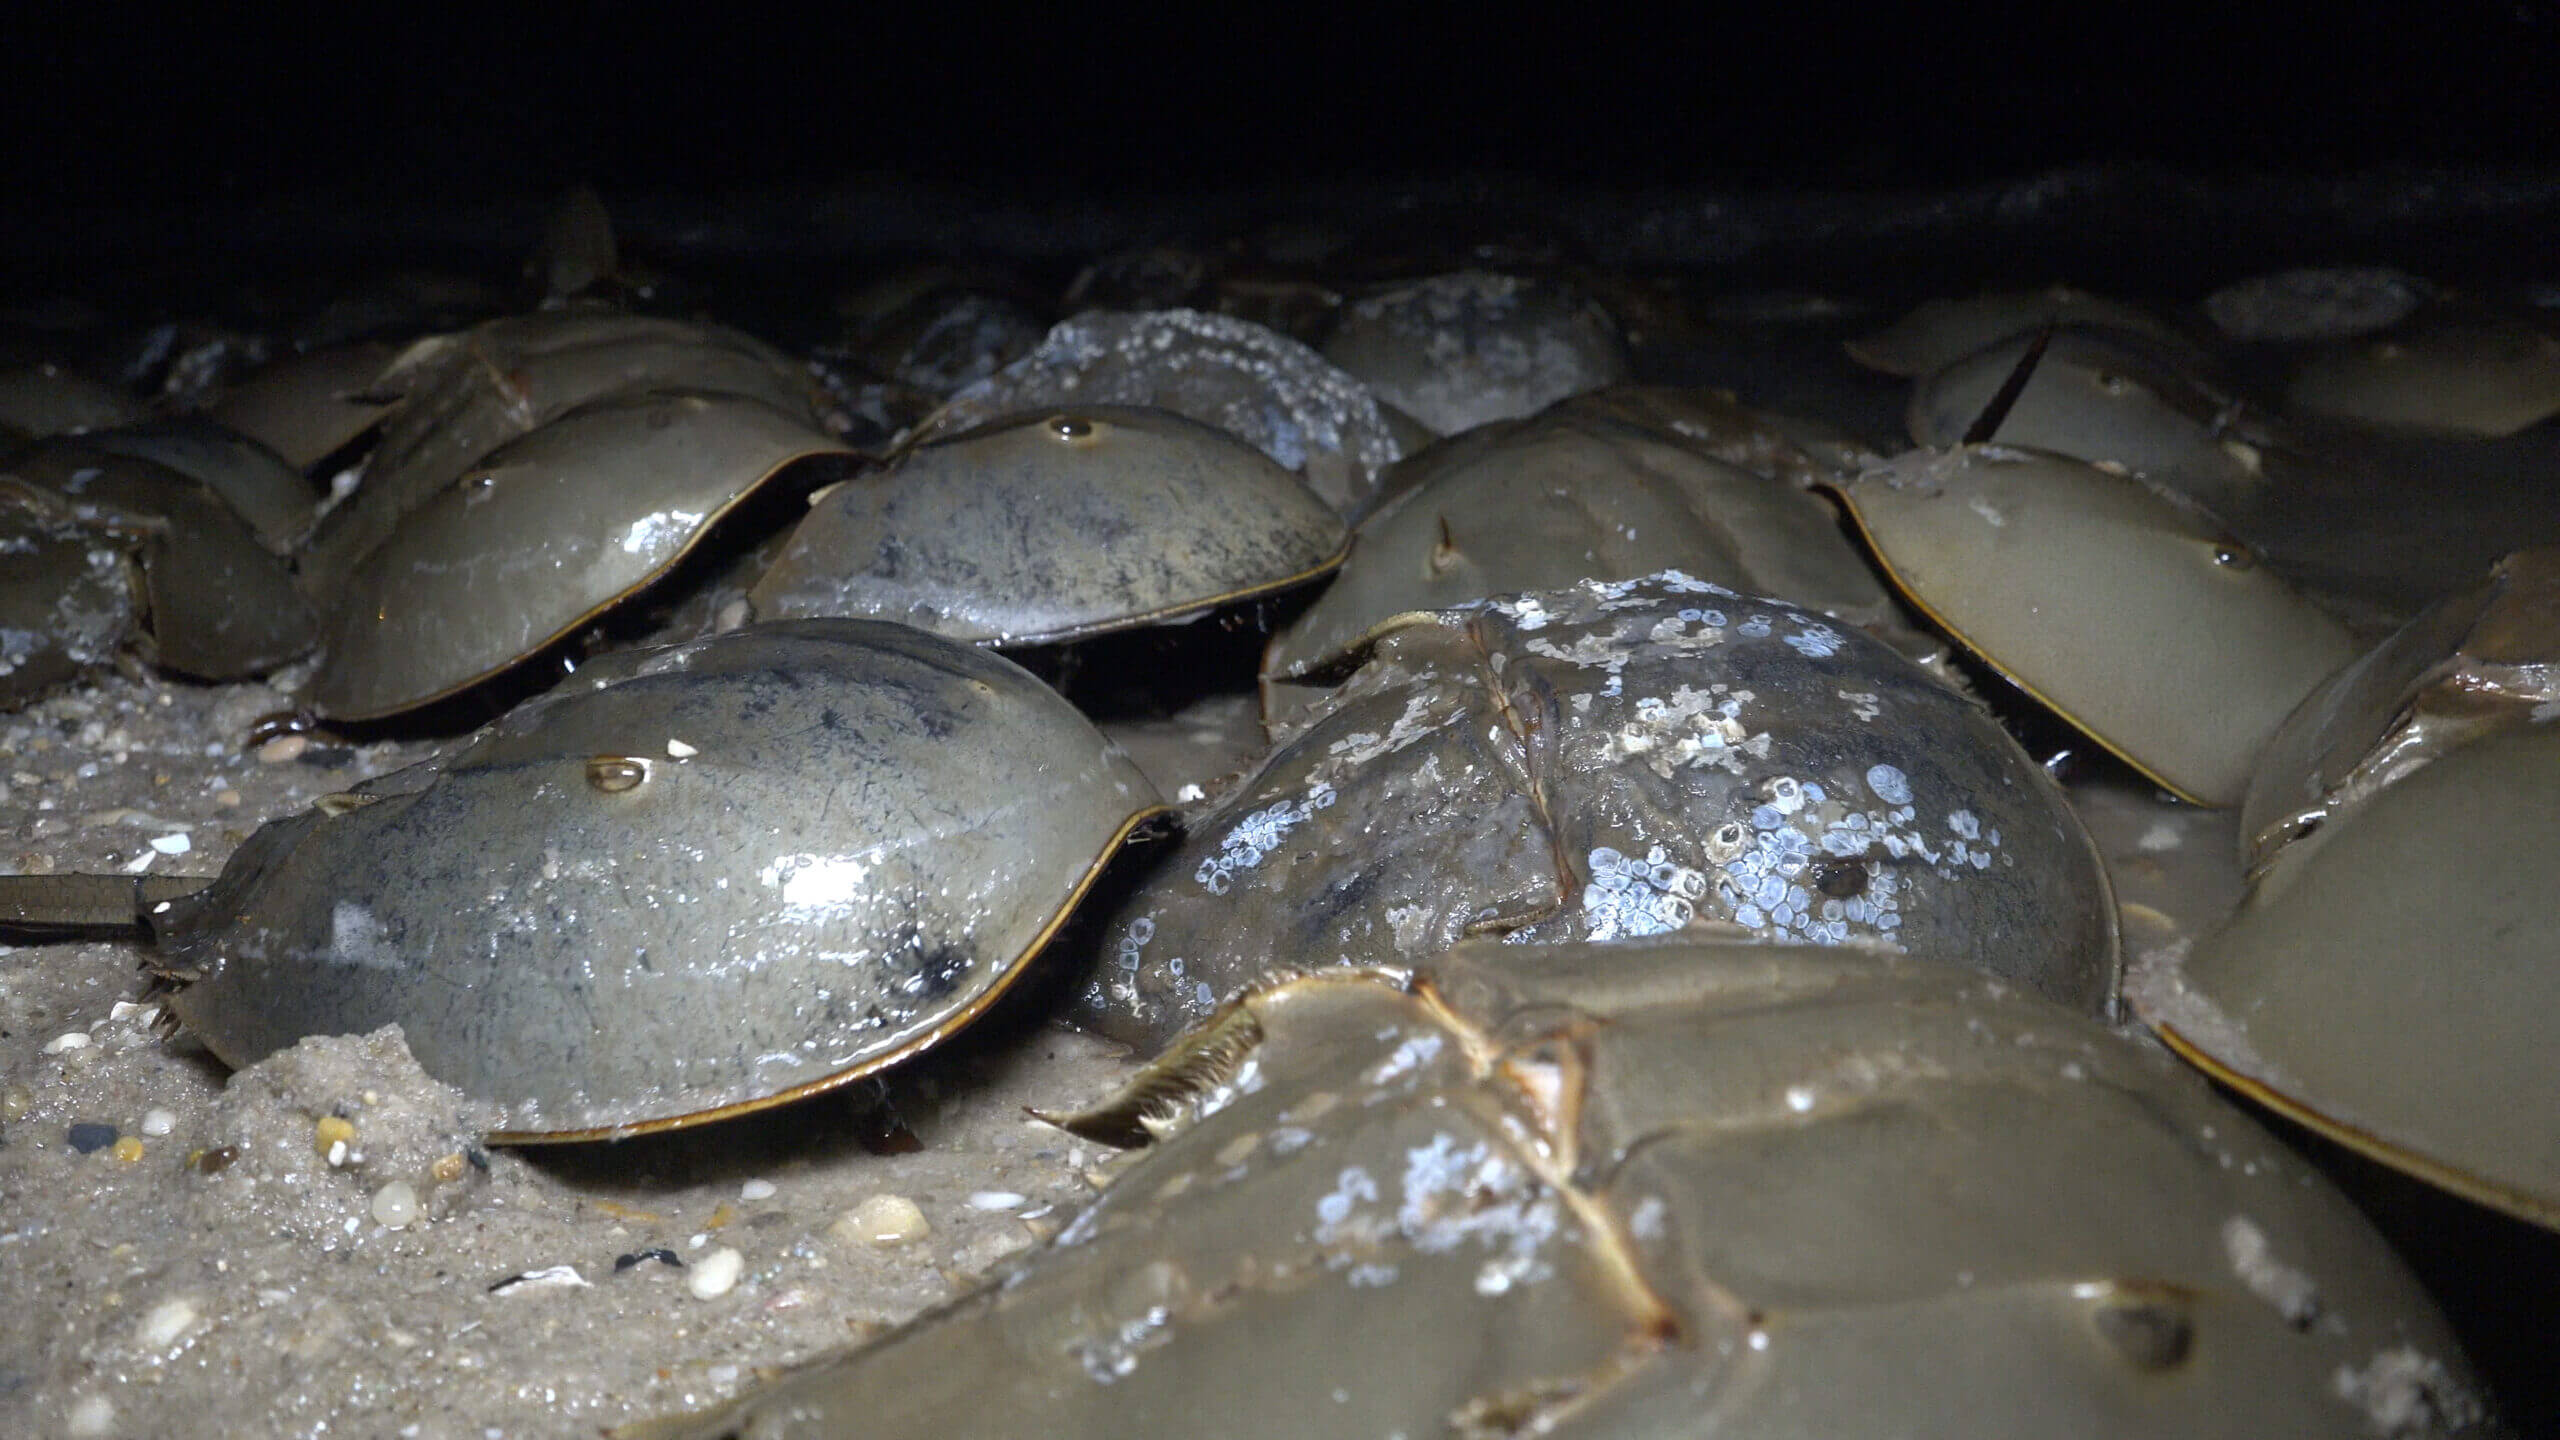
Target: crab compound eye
x=2233, y=556
x=614, y=774
x=1071, y=428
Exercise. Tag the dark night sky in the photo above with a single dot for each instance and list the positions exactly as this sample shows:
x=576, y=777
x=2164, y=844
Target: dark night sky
x=107, y=109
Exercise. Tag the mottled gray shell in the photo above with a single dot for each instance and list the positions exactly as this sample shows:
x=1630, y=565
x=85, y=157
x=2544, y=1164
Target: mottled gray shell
x=220, y=605
x=2108, y=397
x=2325, y=303
x=1571, y=495
x=1460, y=350
x=2389, y=980
x=541, y=536
x=1662, y=1191
x=1616, y=760
x=1056, y=526
x=66, y=596
x=691, y=881
x=462, y=396
x=2477, y=374
x=2128, y=615
x=1257, y=384
x=1937, y=333
x=2475, y=663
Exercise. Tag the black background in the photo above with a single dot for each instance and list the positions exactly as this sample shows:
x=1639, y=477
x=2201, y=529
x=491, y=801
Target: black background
x=110, y=107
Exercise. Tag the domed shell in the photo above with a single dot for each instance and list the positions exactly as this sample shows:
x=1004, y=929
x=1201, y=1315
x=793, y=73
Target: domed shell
x=542, y=535
x=48, y=399
x=1252, y=382
x=1571, y=494
x=1670, y=1189
x=1615, y=760
x=307, y=407
x=2457, y=371
x=1468, y=348
x=1055, y=526
x=215, y=602
x=692, y=881
x=1937, y=333
x=2127, y=614
x=462, y=396
x=2389, y=979
x=2115, y=398
x=254, y=481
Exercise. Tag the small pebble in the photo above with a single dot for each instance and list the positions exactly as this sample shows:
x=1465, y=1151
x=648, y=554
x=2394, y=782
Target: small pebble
x=127, y=1150
x=395, y=1205
x=678, y=750
x=90, y=1415
x=283, y=749
x=715, y=1273
x=16, y=1101
x=331, y=1139
x=995, y=1200
x=881, y=1220
x=89, y=1135
x=159, y=1122
x=165, y=1322
x=661, y=1254
x=448, y=1168
x=172, y=844
x=756, y=1190
x=68, y=1040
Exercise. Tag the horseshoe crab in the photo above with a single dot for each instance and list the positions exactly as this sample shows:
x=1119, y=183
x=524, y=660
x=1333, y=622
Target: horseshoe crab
x=211, y=601
x=462, y=396
x=2388, y=980
x=2331, y=303
x=541, y=536
x=310, y=406
x=1254, y=383
x=1618, y=759
x=691, y=882
x=1460, y=350
x=1785, y=447
x=47, y=399
x=1571, y=494
x=1938, y=333
x=2110, y=398
x=2124, y=612
x=1667, y=1189
x=1056, y=526
x=2478, y=662
x=2449, y=370
x=254, y=481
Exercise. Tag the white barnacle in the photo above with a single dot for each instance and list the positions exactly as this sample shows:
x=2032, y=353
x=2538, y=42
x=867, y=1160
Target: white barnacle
x=1889, y=784
x=1816, y=642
